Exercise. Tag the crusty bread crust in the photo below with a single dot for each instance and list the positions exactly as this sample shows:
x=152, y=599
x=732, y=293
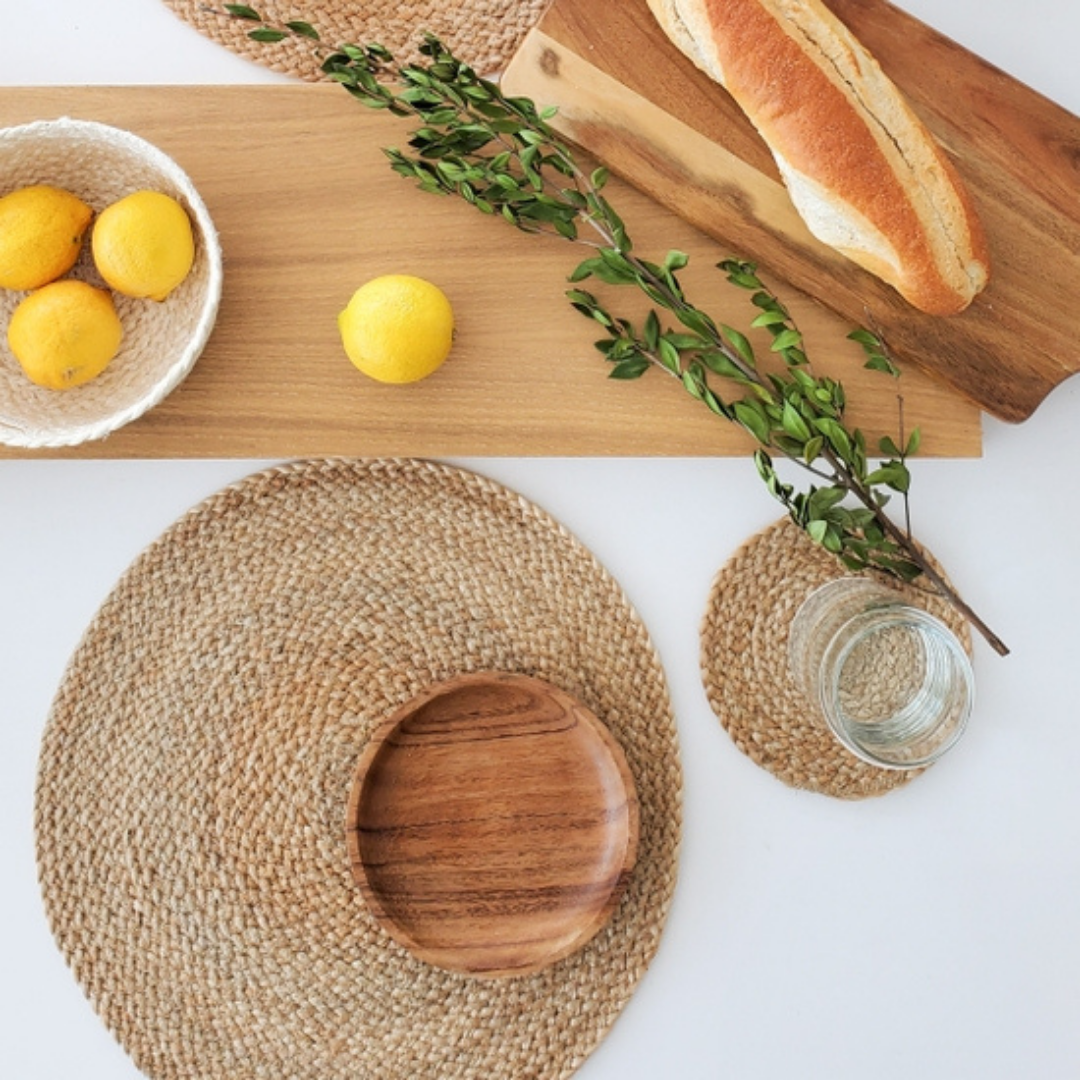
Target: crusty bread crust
x=861, y=168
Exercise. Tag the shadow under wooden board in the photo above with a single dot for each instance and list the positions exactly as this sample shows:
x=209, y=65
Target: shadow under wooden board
x=627, y=95
x=308, y=209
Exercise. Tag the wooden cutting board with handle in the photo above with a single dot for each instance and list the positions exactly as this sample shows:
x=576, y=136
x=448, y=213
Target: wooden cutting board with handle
x=626, y=94
x=308, y=209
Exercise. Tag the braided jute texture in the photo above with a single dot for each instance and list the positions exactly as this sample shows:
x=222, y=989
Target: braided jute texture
x=744, y=664
x=483, y=33
x=196, y=765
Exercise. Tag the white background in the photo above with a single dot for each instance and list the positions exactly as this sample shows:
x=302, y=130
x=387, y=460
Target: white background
x=931, y=933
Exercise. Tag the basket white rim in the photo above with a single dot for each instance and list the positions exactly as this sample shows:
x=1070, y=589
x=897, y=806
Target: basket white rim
x=15, y=435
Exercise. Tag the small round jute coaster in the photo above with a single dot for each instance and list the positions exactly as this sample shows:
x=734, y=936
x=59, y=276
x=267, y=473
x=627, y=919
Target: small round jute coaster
x=483, y=33
x=197, y=762
x=744, y=664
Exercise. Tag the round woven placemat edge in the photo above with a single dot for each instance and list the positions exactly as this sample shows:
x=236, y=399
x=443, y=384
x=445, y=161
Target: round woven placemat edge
x=225, y=501
x=483, y=33
x=766, y=717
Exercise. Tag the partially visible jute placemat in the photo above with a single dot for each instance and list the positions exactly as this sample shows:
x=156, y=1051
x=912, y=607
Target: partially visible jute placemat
x=197, y=762
x=744, y=664
x=483, y=33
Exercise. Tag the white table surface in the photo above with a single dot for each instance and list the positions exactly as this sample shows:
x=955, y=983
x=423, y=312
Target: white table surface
x=932, y=933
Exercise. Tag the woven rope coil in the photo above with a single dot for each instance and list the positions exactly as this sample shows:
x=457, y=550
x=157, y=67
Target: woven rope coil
x=744, y=658
x=483, y=33
x=195, y=768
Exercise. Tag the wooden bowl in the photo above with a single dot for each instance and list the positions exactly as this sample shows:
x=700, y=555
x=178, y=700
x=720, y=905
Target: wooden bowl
x=492, y=825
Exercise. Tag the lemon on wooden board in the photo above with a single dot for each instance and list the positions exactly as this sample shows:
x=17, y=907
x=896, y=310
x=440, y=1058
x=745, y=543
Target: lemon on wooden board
x=41, y=234
x=143, y=244
x=64, y=334
x=397, y=328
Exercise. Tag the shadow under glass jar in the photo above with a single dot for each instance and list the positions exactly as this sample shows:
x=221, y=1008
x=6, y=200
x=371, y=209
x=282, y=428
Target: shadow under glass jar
x=892, y=682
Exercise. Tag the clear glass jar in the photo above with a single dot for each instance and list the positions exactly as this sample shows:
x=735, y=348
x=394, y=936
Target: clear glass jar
x=892, y=682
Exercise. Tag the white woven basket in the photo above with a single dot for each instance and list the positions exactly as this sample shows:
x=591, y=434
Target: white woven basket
x=162, y=341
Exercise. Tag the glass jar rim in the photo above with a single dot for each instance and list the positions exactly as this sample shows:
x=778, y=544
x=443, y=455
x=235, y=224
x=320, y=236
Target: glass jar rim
x=879, y=617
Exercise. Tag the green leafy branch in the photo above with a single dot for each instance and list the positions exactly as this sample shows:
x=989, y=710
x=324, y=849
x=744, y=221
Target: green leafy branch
x=500, y=154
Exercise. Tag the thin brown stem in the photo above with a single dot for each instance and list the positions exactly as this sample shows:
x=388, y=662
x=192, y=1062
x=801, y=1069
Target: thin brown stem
x=941, y=585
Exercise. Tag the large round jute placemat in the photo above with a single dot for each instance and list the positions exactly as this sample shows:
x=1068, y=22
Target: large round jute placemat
x=483, y=33
x=744, y=664
x=196, y=766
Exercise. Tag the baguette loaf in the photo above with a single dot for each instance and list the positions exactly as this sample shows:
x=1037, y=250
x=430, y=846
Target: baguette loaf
x=862, y=170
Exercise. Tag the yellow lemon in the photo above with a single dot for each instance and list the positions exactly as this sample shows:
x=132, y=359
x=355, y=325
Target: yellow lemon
x=143, y=244
x=64, y=334
x=397, y=328
x=41, y=233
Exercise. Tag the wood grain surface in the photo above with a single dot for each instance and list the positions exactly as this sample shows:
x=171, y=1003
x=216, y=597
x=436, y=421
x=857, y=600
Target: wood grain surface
x=308, y=210
x=628, y=95
x=492, y=824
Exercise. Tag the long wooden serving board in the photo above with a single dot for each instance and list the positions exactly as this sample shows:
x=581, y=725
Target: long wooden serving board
x=629, y=96
x=308, y=209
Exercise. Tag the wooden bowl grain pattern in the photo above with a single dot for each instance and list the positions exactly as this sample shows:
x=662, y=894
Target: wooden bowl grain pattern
x=492, y=825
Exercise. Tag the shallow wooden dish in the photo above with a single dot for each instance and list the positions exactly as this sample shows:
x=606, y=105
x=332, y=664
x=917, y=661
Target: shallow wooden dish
x=492, y=824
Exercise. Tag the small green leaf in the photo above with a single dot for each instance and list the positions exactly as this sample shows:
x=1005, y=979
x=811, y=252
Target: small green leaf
x=721, y=364
x=794, y=424
x=669, y=356
x=583, y=270
x=764, y=465
x=697, y=321
x=692, y=382
x=242, y=11
x=581, y=297
x=866, y=339
x=767, y=302
x=817, y=530
x=741, y=344
x=792, y=447
x=599, y=178
x=715, y=404
x=889, y=448
x=893, y=474
x=267, y=34
x=613, y=269
x=652, y=331
x=741, y=273
x=629, y=369
x=906, y=570
x=612, y=275
x=880, y=362
x=304, y=29
x=753, y=419
x=684, y=341
x=769, y=318
x=831, y=541
x=786, y=339
x=853, y=562
x=676, y=260
x=822, y=500
x=913, y=443
x=743, y=279
x=836, y=435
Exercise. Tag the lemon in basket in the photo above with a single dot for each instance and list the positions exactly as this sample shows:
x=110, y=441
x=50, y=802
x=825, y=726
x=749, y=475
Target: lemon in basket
x=41, y=234
x=64, y=334
x=397, y=328
x=143, y=244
